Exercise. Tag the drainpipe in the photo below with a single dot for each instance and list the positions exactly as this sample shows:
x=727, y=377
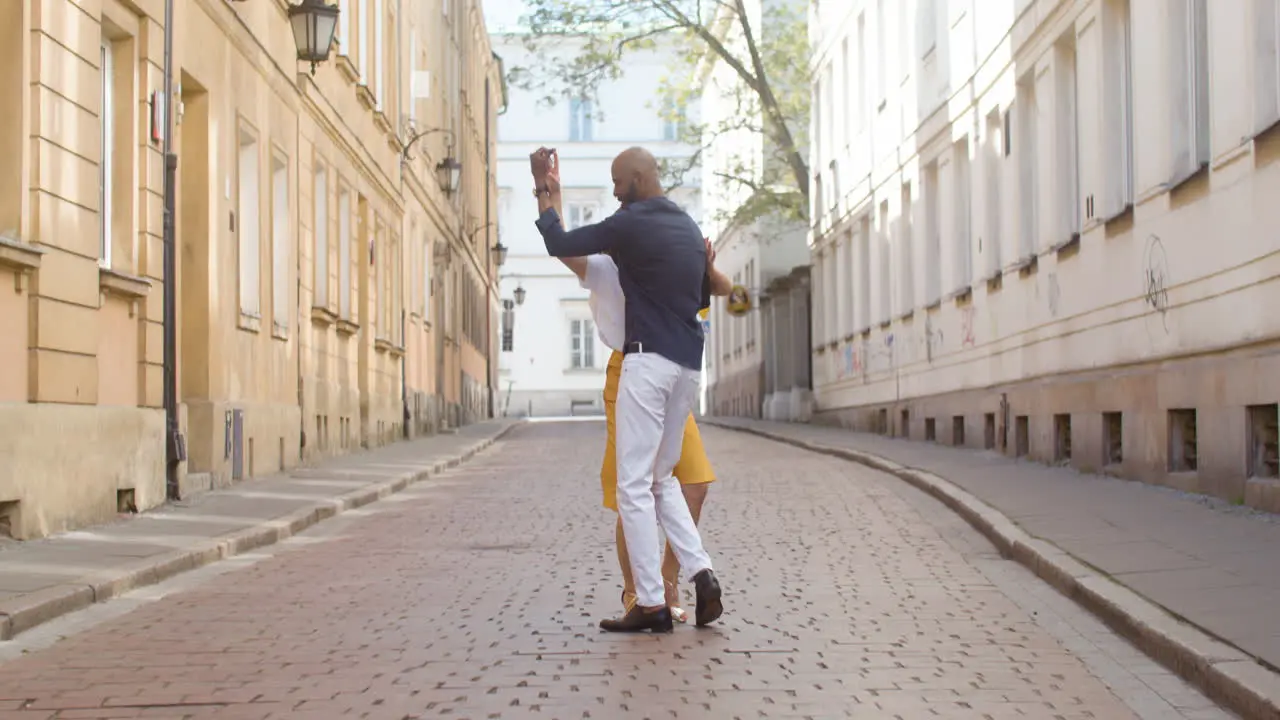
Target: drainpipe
x=488, y=251
x=404, y=375
x=175, y=448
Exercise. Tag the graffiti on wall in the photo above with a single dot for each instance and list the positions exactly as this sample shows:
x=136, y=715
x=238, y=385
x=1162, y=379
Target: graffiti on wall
x=966, y=327
x=1155, y=278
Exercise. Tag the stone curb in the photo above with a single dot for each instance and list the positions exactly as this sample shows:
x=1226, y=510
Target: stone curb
x=29, y=610
x=1222, y=671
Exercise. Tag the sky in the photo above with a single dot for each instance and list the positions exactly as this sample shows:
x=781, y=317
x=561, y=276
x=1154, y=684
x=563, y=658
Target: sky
x=503, y=15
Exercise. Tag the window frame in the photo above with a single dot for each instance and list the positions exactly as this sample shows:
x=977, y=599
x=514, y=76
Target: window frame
x=249, y=222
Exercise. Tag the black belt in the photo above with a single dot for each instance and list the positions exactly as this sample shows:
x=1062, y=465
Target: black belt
x=633, y=347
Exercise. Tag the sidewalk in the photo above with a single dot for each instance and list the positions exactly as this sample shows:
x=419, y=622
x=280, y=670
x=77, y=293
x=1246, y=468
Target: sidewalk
x=43, y=579
x=1211, y=564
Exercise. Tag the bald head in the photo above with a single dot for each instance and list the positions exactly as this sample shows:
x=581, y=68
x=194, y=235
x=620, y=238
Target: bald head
x=636, y=176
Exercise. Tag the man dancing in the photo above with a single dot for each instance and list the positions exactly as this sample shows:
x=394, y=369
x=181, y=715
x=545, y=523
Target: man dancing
x=599, y=275
x=662, y=268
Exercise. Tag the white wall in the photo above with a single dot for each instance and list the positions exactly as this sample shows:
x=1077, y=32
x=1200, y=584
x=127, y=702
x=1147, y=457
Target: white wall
x=537, y=372
x=1200, y=216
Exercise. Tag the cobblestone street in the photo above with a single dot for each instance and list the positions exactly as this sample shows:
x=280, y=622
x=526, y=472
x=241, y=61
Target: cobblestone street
x=476, y=594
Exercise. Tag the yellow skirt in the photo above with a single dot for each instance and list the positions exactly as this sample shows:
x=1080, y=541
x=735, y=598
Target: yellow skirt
x=693, y=468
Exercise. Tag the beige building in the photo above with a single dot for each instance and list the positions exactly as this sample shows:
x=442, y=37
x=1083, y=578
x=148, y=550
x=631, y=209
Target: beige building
x=1049, y=228
x=329, y=288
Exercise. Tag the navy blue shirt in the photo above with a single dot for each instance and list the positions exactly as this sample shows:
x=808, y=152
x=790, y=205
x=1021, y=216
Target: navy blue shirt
x=662, y=265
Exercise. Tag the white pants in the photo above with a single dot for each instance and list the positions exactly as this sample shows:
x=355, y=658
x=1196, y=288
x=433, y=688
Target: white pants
x=655, y=397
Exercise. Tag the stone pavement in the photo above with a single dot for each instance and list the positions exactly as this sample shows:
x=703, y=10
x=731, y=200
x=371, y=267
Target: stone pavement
x=46, y=578
x=1215, y=565
x=476, y=593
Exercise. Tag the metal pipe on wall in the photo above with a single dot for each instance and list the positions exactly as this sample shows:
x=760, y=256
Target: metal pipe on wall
x=175, y=450
x=490, y=262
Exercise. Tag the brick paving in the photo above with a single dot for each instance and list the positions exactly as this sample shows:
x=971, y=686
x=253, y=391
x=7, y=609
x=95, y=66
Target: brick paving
x=475, y=594
x=1204, y=560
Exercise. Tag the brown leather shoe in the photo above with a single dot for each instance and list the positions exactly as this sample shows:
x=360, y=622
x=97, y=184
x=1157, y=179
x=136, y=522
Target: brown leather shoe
x=637, y=620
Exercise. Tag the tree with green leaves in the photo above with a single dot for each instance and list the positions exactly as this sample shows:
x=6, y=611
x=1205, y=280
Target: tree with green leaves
x=758, y=48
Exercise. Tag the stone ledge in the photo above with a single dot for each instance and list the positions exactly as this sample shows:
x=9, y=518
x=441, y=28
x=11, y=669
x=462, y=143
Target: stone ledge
x=323, y=316
x=19, y=255
x=21, y=258
x=1225, y=673
x=114, y=282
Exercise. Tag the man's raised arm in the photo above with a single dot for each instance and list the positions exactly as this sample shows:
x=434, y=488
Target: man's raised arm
x=586, y=240
x=579, y=242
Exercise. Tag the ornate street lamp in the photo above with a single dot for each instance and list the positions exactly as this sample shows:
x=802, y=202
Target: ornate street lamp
x=499, y=254
x=520, y=293
x=450, y=173
x=313, y=24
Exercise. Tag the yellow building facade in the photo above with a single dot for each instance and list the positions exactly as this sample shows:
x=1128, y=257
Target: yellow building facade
x=333, y=291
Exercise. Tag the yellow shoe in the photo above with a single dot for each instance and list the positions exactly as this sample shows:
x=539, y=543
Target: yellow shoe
x=629, y=600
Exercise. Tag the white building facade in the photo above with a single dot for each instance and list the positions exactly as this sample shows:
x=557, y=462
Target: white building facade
x=552, y=362
x=1043, y=232
x=753, y=254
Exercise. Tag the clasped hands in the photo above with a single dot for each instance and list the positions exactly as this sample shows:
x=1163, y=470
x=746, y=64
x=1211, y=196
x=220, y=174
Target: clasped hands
x=545, y=166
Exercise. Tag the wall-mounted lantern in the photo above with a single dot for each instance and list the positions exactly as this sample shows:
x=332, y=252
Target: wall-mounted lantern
x=449, y=171
x=313, y=25
x=520, y=293
x=499, y=254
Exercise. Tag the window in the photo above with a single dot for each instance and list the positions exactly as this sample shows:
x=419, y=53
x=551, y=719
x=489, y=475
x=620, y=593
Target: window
x=860, y=113
x=344, y=254
x=1190, y=70
x=343, y=35
x=844, y=285
x=928, y=26
x=673, y=120
x=819, y=297
x=396, y=261
x=279, y=245
x=750, y=280
x=817, y=111
x=819, y=201
x=248, y=227
x=1117, y=108
x=962, y=243
x=904, y=39
x=989, y=241
x=321, y=230
x=828, y=115
x=882, y=54
x=906, y=253
x=582, y=344
x=508, y=325
x=426, y=276
x=362, y=27
x=377, y=280
x=847, y=80
x=884, y=271
x=933, y=237
x=108, y=138
x=580, y=120
x=831, y=294
x=379, y=51
x=1028, y=167
x=864, y=274
x=1067, y=161
x=1267, y=58
x=581, y=214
